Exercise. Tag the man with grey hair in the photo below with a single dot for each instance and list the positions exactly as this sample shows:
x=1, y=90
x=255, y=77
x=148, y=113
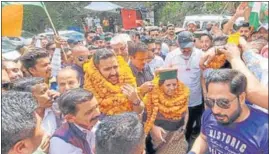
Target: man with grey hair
x=119, y=45
x=21, y=132
x=120, y=134
x=68, y=78
x=227, y=113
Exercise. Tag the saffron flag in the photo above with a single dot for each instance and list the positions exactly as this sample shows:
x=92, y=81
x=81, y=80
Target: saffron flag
x=12, y=17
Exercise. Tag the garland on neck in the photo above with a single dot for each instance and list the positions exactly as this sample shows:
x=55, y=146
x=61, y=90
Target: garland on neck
x=110, y=97
x=171, y=107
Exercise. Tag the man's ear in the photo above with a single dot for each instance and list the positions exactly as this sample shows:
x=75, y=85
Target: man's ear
x=32, y=70
x=242, y=98
x=23, y=146
x=70, y=118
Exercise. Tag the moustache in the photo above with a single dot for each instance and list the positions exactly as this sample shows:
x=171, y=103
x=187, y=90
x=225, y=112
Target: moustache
x=219, y=115
x=95, y=118
x=111, y=76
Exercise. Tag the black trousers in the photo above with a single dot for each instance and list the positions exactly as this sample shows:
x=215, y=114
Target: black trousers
x=195, y=114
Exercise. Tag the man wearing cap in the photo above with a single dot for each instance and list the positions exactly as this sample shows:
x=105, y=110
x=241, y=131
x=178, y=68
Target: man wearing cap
x=168, y=127
x=192, y=26
x=186, y=59
x=244, y=29
x=263, y=31
x=99, y=41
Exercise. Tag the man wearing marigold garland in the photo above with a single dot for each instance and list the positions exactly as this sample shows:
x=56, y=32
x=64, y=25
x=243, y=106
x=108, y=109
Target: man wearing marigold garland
x=166, y=113
x=112, y=82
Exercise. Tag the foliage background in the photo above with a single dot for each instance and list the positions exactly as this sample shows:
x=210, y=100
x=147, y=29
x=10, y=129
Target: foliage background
x=65, y=14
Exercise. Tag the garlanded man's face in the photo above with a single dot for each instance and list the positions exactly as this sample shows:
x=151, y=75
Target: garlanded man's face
x=109, y=68
x=226, y=107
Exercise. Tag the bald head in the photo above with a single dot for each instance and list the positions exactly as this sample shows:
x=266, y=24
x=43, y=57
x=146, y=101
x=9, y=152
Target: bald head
x=80, y=55
x=68, y=78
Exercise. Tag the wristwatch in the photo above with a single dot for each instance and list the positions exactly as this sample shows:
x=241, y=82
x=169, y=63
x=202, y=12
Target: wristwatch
x=137, y=102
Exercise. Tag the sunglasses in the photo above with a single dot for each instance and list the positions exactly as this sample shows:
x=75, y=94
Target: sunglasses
x=82, y=58
x=222, y=103
x=6, y=85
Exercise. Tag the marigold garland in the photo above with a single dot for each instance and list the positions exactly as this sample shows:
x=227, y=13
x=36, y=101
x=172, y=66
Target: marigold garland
x=217, y=62
x=110, y=97
x=170, y=107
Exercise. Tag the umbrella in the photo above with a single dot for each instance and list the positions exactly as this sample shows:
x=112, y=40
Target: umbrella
x=102, y=6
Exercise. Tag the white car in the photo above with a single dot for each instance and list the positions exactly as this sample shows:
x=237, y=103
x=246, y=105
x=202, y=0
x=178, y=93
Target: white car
x=69, y=34
x=202, y=20
x=25, y=39
x=9, y=51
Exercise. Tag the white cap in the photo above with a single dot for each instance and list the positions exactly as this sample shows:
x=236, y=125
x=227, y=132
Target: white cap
x=265, y=26
x=192, y=22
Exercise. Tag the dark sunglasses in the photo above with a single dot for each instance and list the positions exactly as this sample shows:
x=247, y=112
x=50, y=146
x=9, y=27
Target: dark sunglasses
x=81, y=58
x=222, y=103
x=6, y=85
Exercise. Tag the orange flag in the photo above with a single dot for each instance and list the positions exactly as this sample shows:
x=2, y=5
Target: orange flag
x=12, y=16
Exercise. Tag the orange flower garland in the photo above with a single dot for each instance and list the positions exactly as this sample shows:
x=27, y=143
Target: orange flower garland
x=217, y=62
x=170, y=107
x=110, y=97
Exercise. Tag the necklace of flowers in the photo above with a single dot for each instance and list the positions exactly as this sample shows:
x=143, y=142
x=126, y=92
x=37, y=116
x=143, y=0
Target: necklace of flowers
x=171, y=107
x=110, y=97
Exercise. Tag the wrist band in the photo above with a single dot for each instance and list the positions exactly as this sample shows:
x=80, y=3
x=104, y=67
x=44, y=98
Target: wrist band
x=191, y=152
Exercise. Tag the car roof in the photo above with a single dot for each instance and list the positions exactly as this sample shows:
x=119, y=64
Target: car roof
x=202, y=17
x=60, y=32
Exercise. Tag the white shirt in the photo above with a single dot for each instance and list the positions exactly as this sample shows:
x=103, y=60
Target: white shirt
x=59, y=146
x=49, y=123
x=188, y=72
x=89, y=21
x=155, y=63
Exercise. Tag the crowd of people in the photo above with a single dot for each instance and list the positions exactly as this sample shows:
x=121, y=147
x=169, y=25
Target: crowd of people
x=159, y=91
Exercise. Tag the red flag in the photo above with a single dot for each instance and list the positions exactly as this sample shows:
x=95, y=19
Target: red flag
x=129, y=18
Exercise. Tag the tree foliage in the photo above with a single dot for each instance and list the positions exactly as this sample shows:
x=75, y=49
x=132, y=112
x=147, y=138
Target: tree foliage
x=65, y=14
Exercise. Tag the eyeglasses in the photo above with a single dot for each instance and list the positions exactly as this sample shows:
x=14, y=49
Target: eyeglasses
x=83, y=58
x=222, y=103
x=6, y=85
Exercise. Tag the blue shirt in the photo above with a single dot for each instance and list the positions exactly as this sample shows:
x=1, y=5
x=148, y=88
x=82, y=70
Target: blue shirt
x=247, y=137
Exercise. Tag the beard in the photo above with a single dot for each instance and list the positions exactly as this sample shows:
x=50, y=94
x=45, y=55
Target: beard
x=232, y=118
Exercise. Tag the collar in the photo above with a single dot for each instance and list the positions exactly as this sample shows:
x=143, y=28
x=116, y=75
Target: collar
x=47, y=111
x=82, y=129
x=94, y=128
x=135, y=70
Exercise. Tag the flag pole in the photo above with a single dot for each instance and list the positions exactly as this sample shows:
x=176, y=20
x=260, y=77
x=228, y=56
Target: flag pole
x=53, y=27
